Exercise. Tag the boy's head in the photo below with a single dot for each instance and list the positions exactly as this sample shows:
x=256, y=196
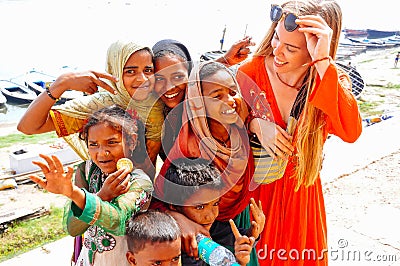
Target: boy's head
x=154, y=238
x=194, y=186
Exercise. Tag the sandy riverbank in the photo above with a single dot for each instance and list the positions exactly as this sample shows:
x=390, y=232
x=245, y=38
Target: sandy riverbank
x=8, y=128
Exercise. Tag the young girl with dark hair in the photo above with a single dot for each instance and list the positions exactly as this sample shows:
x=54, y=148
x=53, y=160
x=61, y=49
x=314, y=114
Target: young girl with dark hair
x=103, y=197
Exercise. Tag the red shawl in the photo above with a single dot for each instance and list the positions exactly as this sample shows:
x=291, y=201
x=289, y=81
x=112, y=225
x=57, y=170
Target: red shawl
x=195, y=140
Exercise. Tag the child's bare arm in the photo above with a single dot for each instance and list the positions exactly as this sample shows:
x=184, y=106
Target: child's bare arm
x=57, y=181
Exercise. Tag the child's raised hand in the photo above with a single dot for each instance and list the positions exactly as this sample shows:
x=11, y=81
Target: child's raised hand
x=243, y=245
x=115, y=185
x=57, y=181
x=257, y=225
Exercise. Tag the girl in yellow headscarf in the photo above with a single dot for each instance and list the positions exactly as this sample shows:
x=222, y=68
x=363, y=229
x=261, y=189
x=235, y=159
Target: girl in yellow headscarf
x=128, y=82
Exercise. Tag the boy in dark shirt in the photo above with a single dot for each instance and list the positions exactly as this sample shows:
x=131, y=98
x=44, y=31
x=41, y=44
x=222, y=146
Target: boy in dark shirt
x=197, y=198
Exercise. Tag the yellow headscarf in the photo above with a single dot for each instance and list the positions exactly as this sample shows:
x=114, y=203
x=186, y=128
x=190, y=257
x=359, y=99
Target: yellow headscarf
x=150, y=110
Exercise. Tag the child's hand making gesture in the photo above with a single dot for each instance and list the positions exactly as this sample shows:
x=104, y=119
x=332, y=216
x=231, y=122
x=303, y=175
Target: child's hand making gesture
x=244, y=243
x=257, y=225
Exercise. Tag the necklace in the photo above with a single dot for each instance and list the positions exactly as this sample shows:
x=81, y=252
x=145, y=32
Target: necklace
x=291, y=86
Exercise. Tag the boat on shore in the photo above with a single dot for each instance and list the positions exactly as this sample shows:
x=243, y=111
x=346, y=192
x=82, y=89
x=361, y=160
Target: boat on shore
x=395, y=39
x=16, y=93
x=39, y=81
x=212, y=55
x=3, y=101
x=376, y=34
x=374, y=43
x=355, y=33
x=368, y=33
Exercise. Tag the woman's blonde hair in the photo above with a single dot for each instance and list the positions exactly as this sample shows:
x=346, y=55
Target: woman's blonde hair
x=311, y=124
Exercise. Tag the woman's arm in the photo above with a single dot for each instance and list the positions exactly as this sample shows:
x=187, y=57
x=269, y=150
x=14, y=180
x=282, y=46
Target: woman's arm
x=333, y=96
x=37, y=119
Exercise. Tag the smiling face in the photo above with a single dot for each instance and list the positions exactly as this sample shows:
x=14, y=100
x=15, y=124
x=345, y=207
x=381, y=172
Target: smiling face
x=221, y=97
x=171, y=79
x=200, y=209
x=138, y=75
x=106, y=146
x=167, y=254
x=289, y=49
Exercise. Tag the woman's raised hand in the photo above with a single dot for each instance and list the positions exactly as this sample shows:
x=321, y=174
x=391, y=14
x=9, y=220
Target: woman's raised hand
x=87, y=82
x=318, y=35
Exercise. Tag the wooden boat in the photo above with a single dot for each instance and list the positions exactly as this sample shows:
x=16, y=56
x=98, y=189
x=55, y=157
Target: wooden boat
x=355, y=33
x=373, y=44
x=376, y=34
x=212, y=55
x=39, y=81
x=3, y=101
x=16, y=93
x=343, y=53
x=395, y=39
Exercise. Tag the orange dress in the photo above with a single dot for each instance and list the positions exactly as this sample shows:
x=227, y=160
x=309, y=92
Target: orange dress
x=295, y=231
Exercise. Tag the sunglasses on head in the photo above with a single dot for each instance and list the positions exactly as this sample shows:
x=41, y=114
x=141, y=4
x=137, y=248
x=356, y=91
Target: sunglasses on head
x=290, y=18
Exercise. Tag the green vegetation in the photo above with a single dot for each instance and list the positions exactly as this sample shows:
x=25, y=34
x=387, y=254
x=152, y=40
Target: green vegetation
x=369, y=108
x=23, y=236
x=393, y=86
x=18, y=138
x=367, y=61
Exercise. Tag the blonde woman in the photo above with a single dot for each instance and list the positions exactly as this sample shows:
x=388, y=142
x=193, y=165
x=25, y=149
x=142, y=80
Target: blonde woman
x=293, y=75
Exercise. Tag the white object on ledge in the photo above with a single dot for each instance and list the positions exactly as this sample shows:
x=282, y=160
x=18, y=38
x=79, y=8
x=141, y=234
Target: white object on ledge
x=21, y=159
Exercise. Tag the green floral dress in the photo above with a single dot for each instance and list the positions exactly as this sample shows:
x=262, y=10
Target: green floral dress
x=103, y=223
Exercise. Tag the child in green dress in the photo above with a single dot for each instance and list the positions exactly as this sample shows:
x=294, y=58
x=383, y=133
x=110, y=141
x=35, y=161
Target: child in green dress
x=102, y=197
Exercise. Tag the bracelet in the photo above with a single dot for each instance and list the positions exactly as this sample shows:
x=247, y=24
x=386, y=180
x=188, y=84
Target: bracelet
x=50, y=95
x=318, y=60
x=227, y=63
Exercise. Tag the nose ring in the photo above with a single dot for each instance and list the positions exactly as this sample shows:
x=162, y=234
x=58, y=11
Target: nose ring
x=107, y=153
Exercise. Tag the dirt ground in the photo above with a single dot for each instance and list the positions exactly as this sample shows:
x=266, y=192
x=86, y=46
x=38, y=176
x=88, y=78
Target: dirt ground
x=377, y=70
